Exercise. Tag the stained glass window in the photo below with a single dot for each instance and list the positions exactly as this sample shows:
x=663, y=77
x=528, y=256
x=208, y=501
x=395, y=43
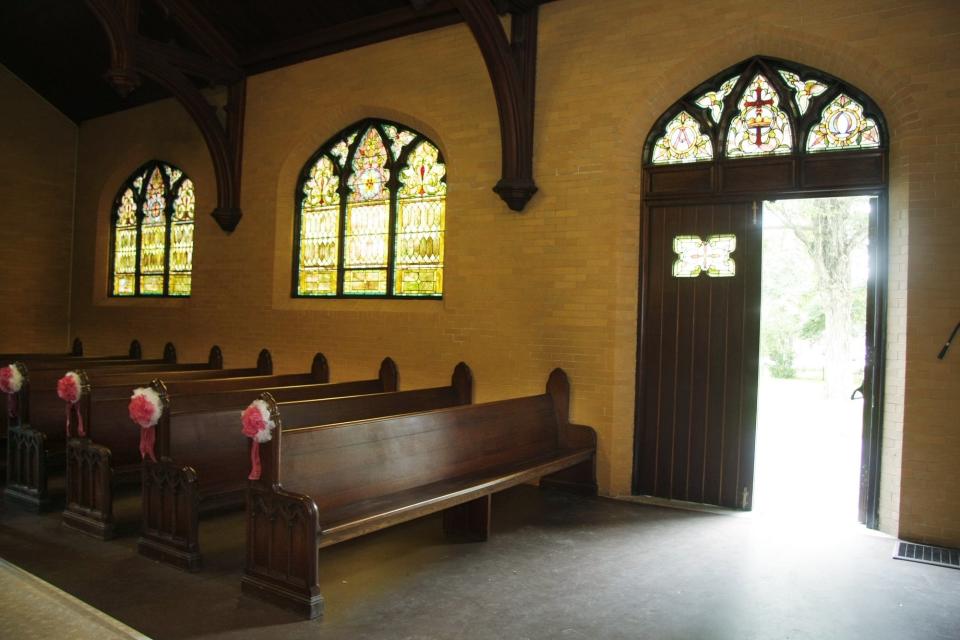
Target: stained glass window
x=843, y=126
x=713, y=100
x=804, y=90
x=371, y=215
x=760, y=127
x=712, y=256
x=682, y=142
x=152, y=252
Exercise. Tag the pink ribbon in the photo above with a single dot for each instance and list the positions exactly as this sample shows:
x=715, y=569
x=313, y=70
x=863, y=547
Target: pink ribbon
x=80, y=430
x=148, y=438
x=254, y=461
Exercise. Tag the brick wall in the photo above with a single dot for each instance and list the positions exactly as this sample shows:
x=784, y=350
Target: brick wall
x=38, y=147
x=557, y=284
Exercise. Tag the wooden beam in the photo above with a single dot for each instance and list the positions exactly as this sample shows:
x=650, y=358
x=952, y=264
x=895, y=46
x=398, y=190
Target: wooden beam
x=512, y=68
x=202, y=31
x=132, y=55
x=194, y=65
x=357, y=33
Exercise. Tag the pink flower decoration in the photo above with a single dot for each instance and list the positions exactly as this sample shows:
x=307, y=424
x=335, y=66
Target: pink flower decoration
x=257, y=424
x=68, y=388
x=145, y=407
x=10, y=379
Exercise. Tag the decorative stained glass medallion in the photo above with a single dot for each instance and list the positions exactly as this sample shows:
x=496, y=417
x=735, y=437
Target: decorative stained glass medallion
x=712, y=256
x=843, y=126
x=152, y=228
x=713, y=100
x=804, y=90
x=760, y=127
x=373, y=226
x=682, y=142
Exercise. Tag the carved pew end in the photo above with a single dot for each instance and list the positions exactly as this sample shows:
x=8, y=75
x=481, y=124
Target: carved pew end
x=89, y=507
x=309, y=607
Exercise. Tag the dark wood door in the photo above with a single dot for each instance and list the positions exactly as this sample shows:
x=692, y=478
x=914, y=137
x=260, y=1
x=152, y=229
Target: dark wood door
x=698, y=360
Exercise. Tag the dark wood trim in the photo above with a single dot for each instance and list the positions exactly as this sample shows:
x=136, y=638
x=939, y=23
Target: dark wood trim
x=119, y=21
x=202, y=31
x=512, y=68
x=192, y=64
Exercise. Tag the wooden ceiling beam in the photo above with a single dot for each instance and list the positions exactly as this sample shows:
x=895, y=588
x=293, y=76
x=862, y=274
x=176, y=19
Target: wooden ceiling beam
x=513, y=71
x=350, y=35
x=192, y=64
x=201, y=30
x=132, y=56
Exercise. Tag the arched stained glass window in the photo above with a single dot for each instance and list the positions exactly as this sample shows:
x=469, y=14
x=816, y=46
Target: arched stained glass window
x=152, y=233
x=371, y=215
x=765, y=107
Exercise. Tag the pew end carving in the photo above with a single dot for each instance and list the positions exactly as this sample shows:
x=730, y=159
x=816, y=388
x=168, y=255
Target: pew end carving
x=136, y=351
x=26, y=470
x=389, y=376
x=265, y=363
x=169, y=353
x=582, y=478
x=320, y=368
x=215, y=359
x=169, y=529
x=462, y=383
x=76, y=349
x=89, y=489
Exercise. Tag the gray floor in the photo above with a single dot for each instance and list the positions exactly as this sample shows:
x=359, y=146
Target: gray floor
x=557, y=567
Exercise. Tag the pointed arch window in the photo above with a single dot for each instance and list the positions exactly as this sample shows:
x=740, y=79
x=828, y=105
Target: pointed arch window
x=370, y=220
x=765, y=107
x=151, y=239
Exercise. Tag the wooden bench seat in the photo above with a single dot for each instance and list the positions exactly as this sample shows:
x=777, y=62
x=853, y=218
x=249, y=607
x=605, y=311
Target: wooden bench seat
x=328, y=483
x=207, y=461
x=36, y=435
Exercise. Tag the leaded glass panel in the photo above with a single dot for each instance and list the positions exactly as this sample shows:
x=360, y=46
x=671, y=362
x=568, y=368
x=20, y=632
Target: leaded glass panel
x=181, y=240
x=153, y=236
x=682, y=142
x=125, y=246
x=696, y=256
x=804, y=90
x=843, y=126
x=760, y=127
x=367, y=224
x=421, y=205
x=712, y=101
x=319, y=231
x=398, y=139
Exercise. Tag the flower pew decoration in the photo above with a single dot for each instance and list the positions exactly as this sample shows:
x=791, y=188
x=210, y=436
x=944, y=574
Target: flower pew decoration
x=11, y=381
x=258, y=425
x=146, y=408
x=70, y=390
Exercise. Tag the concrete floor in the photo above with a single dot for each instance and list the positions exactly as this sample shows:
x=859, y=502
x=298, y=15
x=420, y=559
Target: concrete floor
x=557, y=567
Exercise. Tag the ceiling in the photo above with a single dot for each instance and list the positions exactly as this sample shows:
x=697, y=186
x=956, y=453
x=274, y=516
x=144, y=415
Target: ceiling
x=59, y=48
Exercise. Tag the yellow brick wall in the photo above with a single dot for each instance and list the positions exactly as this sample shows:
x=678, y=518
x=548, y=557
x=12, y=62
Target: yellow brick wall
x=38, y=147
x=557, y=284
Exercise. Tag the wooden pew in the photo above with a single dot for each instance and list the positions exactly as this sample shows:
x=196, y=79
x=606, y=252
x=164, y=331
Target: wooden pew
x=204, y=461
x=325, y=484
x=135, y=352
x=36, y=435
x=108, y=455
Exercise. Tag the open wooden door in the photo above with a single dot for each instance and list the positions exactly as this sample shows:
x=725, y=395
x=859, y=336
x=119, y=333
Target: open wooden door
x=698, y=353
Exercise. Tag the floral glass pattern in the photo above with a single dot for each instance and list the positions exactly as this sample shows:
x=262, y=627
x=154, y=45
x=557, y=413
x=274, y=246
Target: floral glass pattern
x=760, y=127
x=710, y=256
x=152, y=234
x=804, y=90
x=682, y=142
x=371, y=218
x=843, y=126
x=713, y=100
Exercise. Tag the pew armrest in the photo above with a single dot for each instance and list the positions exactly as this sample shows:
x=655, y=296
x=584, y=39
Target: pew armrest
x=89, y=489
x=282, y=555
x=582, y=478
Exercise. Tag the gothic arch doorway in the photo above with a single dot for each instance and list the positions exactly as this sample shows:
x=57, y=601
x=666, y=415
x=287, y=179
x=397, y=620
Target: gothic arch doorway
x=764, y=129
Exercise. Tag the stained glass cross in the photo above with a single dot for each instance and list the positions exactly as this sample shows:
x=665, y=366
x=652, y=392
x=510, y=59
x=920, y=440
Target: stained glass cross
x=758, y=122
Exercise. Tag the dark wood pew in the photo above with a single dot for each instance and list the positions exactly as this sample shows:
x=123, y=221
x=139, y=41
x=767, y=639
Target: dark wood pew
x=108, y=453
x=325, y=484
x=36, y=431
x=204, y=461
x=76, y=353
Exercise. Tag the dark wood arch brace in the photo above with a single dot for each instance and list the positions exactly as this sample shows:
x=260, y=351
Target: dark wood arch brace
x=132, y=56
x=512, y=65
